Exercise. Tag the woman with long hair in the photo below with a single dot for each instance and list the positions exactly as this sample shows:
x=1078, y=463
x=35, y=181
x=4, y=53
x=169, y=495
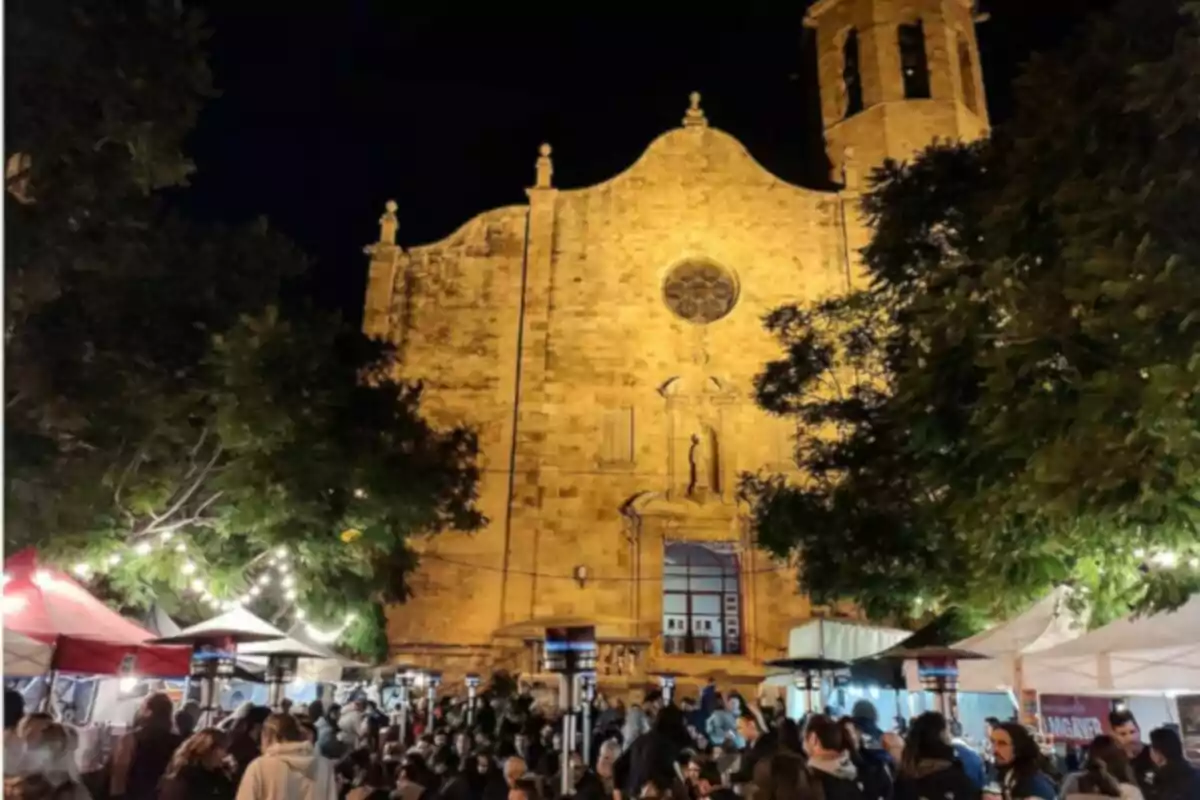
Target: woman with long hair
x=245, y=739
x=289, y=767
x=197, y=770
x=929, y=766
x=142, y=755
x=1019, y=763
x=785, y=776
x=1106, y=773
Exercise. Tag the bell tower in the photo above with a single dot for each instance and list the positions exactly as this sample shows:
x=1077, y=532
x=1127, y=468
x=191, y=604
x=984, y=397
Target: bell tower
x=894, y=76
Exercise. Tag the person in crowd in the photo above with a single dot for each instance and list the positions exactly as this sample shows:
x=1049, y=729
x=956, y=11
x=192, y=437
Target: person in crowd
x=350, y=723
x=141, y=756
x=1106, y=773
x=27, y=787
x=654, y=756
x=829, y=759
x=372, y=783
x=14, y=710
x=782, y=776
x=245, y=739
x=1175, y=779
x=197, y=770
x=606, y=759
x=757, y=743
x=411, y=780
x=289, y=767
x=486, y=774
x=709, y=785
x=514, y=769
x=636, y=724
x=1127, y=734
x=875, y=766
x=525, y=788
x=49, y=751
x=929, y=766
x=1019, y=764
x=585, y=782
x=721, y=727
x=329, y=744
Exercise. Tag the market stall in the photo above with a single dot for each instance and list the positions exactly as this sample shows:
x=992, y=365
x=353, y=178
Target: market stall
x=45, y=605
x=1158, y=653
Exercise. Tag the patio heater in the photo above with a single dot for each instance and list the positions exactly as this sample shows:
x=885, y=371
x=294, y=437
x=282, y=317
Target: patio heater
x=807, y=674
x=211, y=661
x=569, y=652
x=666, y=682
x=937, y=669
x=433, y=679
x=473, y=682
x=588, y=681
x=406, y=676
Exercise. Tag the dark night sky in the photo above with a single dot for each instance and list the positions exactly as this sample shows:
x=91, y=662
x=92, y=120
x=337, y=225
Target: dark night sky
x=326, y=113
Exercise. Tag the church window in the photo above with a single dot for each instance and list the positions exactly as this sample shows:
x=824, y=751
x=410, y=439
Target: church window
x=966, y=73
x=700, y=292
x=702, y=612
x=616, y=436
x=913, y=64
x=851, y=77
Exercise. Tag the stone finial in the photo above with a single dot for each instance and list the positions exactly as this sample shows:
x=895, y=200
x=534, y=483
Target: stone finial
x=545, y=167
x=388, y=224
x=694, y=118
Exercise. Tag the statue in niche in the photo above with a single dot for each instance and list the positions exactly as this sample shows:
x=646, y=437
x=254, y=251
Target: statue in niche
x=702, y=464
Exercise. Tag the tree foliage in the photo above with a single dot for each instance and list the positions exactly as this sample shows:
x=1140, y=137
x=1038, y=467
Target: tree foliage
x=155, y=391
x=1012, y=401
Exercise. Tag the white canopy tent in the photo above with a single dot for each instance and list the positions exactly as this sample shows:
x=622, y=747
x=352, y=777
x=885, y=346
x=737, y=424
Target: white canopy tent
x=837, y=639
x=1047, y=623
x=1152, y=654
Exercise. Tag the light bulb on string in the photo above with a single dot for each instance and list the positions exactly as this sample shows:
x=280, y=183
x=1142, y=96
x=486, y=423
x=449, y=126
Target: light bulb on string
x=281, y=552
x=289, y=582
x=181, y=548
x=114, y=559
x=290, y=594
x=166, y=535
x=284, y=569
x=265, y=580
x=300, y=614
x=189, y=568
x=142, y=549
x=198, y=586
x=255, y=591
x=82, y=570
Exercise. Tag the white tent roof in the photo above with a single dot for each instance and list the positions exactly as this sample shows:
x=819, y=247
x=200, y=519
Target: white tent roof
x=1156, y=653
x=25, y=657
x=841, y=640
x=238, y=624
x=1047, y=623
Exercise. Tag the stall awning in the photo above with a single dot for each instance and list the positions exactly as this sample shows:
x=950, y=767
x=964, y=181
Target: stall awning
x=48, y=606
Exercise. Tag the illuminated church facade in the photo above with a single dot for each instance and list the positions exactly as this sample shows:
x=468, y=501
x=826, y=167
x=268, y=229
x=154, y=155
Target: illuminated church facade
x=603, y=341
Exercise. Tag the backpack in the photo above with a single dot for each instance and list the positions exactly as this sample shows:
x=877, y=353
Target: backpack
x=875, y=776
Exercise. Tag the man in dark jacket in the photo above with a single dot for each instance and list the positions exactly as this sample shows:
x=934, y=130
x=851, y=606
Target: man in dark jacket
x=1175, y=778
x=829, y=759
x=760, y=744
x=653, y=756
x=1127, y=733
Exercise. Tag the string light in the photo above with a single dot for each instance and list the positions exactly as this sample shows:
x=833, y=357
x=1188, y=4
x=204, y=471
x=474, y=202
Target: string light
x=280, y=572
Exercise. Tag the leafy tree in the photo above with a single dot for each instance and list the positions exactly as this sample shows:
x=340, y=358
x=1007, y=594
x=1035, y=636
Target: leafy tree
x=1017, y=400
x=155, y=397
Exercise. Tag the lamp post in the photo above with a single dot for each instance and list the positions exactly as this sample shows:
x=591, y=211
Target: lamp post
x=472, y=696
x=570, y=652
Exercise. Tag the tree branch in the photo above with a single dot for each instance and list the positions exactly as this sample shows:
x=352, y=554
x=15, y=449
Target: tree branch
x=155, y=524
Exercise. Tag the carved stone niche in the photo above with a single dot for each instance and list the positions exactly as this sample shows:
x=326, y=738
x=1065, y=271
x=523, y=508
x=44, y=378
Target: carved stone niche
x=699, y=453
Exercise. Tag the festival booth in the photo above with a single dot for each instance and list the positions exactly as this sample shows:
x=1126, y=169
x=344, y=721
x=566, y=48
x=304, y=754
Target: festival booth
x=1147, y=663
x=45, y=605
x=1047, y=623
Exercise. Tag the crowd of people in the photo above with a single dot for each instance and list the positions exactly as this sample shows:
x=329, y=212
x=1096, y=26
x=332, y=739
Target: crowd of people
x=511, y=748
